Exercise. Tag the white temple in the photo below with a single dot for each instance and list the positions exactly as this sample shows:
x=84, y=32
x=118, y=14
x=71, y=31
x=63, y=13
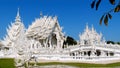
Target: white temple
x=90, y=37
x=45, y=33
x=44, y=39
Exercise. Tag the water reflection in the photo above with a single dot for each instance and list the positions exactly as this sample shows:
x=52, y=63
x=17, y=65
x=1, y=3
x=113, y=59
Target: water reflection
x=54, y=66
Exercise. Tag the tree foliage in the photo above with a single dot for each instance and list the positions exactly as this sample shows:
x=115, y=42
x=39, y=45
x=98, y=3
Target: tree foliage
x=110, y=42
x=118, y=43
x=70, y=41
x=106, y=16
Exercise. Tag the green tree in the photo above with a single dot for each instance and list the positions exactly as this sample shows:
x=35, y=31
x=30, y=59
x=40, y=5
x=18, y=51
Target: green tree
x=118, y=43
x=70, y=41
x=110, y=42
x=107, y=15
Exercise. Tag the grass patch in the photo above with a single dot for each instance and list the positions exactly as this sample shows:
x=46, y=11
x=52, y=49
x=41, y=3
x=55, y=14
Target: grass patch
x=86, y=65
x=7, y=63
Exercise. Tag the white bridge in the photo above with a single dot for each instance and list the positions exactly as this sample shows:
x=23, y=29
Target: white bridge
x=107, y=47
x=84, y=53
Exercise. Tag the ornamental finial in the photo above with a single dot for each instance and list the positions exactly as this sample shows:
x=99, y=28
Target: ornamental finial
x=41, y=14
x=18, y=16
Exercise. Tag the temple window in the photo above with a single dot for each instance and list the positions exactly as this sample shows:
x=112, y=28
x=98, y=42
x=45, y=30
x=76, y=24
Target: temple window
x=98, y=52
x=111, y=54
x=85, y=42
x=85, y=53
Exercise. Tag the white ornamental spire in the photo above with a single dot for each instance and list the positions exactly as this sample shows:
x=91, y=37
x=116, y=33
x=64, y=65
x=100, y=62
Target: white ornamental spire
x=86, y=27
x=92, y=28
x=41, y=14
x=18, y=17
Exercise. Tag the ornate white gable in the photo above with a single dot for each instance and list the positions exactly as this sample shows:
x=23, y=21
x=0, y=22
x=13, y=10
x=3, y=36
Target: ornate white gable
x=46, y=32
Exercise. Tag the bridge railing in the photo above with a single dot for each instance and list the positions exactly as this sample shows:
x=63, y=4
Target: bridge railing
x=107, y=46
x=60, y=57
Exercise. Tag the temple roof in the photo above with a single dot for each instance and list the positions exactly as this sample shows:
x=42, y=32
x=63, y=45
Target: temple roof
x=43, y=27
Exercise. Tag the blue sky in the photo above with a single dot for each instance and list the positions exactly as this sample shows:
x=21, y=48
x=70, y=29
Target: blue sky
x=72, y=15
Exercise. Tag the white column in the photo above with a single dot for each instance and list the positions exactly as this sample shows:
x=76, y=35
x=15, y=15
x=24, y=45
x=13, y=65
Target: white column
x=103, y=53
x=75, y=53
x=61, y=43
x=82, y=53
x=92, y=53
x=50, y=42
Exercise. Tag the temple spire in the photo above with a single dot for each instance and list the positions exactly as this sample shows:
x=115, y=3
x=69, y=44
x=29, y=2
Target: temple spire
x=87, y=27
x=17, y=19
x=41, y=14
x=92, y=28
x=18, y=12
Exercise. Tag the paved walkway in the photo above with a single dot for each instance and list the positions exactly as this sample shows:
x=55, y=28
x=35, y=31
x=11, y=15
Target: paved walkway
x=94, y=62
x=53, y=66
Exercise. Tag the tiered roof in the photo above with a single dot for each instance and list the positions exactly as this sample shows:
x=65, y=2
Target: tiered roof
x=42, y=27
